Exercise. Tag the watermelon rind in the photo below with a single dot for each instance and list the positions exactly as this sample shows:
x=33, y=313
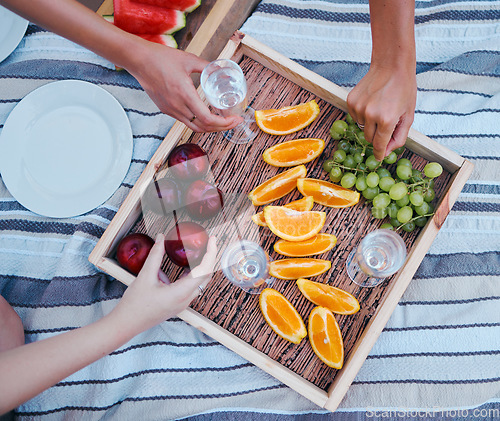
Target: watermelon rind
x=186, y=6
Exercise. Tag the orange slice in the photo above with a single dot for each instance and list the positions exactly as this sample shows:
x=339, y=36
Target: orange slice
x=304, y=204
x=293, y=152
x=287, y=120
x=298, y=268
x=282, y=316
x=293, y=225
x=277, y=186
x=325, y=337
x=334, y=299
x=318, y=244
x=328, y=194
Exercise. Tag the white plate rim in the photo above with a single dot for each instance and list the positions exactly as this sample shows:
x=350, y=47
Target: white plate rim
x=29, y=199
x=9, y=43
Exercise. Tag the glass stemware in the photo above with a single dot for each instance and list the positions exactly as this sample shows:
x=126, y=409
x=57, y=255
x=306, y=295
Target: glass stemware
x=225, y=88
x=380, y=254
x=246, y=265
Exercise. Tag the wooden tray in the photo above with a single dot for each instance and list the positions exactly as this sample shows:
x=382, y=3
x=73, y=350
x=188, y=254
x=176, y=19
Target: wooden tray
x=231, y=316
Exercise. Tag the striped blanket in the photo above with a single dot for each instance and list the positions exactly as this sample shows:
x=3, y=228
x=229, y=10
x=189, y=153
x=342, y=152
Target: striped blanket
x=439, y=355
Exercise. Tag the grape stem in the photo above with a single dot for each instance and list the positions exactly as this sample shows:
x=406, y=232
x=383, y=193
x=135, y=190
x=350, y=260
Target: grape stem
x=414, y=219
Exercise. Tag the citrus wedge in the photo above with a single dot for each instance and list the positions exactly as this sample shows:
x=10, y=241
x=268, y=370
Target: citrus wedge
x=282, y=316
x=334, y=299
x=293, y=225
x=328, y=194
x=277, y=186
x=318, y=244
x=293, y=152
x=325, y=337
x=298, y=268
x=304, y=204
x=287, y=120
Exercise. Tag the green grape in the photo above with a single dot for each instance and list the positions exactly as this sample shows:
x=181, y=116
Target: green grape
x=430, y=183
x=398, y=191
x=392, y=210
x=362, y=139
x=370, y=192
x=386, y=226
x=405, y=162
x=339, y=156
x=336, y=174
x=404, y=214
x=429, y=195
x=416, y=176
x=351, y=133
x=403, y=172
x=395, y=222
x=361, y=166
x=399, y=150
x=386, y=183
x=409, y=226
x=354, y=149
x=339, y=126
x=433, y=170
x=391, y=158
x=420, y=222
x=416, y=198
x=348, y=180
x=372, y=179
x=328, y=164
x=404, y=201
x=371, y=163
x=334, y=135
x=349, y=119
x=344, y=145
x=379, y=213
x=381, y=201
x=358, y=158
x=349, y=161
x=361, y=183
x=423, y=209
x=369, y=151
x=383, y=172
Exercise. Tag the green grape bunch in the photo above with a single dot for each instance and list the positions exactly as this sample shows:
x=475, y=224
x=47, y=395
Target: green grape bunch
x=405, y=198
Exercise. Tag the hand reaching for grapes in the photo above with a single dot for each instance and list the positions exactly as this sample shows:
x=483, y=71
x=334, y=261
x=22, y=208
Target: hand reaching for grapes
x=384, y=103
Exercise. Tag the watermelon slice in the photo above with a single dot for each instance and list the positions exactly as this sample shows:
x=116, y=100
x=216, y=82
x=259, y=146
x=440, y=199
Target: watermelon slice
x=138, y=18
x=164, y=39
x=186, y=6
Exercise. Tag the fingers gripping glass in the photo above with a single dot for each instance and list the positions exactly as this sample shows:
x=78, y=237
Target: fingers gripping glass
x=225, y=88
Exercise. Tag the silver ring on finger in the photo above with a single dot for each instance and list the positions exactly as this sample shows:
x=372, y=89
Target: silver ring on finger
x=200, y=292
x=361, y=126
x=193, y=118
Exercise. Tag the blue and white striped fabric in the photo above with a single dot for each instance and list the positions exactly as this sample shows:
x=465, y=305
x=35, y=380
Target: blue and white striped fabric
x=440, y=350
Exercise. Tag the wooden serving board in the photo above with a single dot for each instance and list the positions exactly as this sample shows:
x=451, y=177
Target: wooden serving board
x=228, y=314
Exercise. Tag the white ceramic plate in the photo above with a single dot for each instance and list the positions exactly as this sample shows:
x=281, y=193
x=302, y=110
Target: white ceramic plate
x=65, y=148
x=12, y=30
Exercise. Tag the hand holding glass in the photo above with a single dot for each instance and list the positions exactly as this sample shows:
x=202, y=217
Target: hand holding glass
x=225, y=88
x=379, y=255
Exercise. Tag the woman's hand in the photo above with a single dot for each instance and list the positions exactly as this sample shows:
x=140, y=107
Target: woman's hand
x=151, y=299
x=384, y=102
x=165, y=75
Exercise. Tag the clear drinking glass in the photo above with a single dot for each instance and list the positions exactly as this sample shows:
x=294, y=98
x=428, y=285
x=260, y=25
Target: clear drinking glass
x=379, y=255
x=246, y=265
x=225, y=88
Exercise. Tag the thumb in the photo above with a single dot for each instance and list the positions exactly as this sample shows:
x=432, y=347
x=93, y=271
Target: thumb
x=155, y=257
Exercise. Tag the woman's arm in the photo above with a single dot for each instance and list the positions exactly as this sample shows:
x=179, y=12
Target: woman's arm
x=163, y=72
x=384, y=100
x=29, y=369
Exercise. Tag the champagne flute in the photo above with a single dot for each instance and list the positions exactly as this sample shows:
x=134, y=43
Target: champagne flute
x=246, y=265
x=225, y=88
x=380, y=254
